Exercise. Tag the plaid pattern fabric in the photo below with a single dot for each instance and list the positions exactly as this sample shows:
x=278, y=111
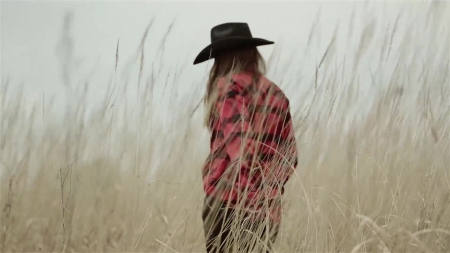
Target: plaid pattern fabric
x=253, y=147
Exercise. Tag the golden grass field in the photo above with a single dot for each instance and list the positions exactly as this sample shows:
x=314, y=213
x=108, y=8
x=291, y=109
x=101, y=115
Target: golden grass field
x=374, y=183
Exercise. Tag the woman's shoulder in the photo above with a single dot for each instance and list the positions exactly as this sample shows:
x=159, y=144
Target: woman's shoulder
x=271, y=87
x=245, y=83
x=237, y=82
x=226, y=85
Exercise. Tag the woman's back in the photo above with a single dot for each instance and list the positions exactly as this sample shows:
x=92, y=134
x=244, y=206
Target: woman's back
x=252, y=146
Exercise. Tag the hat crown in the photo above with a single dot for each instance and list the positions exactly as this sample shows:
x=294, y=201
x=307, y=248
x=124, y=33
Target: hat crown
x=230, y=30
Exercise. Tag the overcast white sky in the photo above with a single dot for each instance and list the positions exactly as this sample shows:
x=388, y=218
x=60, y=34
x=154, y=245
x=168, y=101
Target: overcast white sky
x=31, y=31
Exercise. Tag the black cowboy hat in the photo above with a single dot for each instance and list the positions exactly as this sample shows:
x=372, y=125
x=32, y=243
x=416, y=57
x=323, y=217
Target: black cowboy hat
x=229, y=36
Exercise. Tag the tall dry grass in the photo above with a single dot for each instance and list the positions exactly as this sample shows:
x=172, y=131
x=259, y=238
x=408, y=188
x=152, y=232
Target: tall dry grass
x=120, y=180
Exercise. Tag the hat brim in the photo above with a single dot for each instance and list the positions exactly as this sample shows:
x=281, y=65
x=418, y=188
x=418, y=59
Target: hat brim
x=226, y=44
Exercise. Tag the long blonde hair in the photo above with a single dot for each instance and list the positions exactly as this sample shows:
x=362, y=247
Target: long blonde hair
x=225, y=65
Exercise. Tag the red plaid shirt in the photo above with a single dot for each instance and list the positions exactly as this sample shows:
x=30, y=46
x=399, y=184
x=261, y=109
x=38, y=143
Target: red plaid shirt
x=253, y=147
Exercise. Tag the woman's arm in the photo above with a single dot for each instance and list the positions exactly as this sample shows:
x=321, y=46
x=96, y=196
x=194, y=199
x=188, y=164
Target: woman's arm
x=290, y=143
